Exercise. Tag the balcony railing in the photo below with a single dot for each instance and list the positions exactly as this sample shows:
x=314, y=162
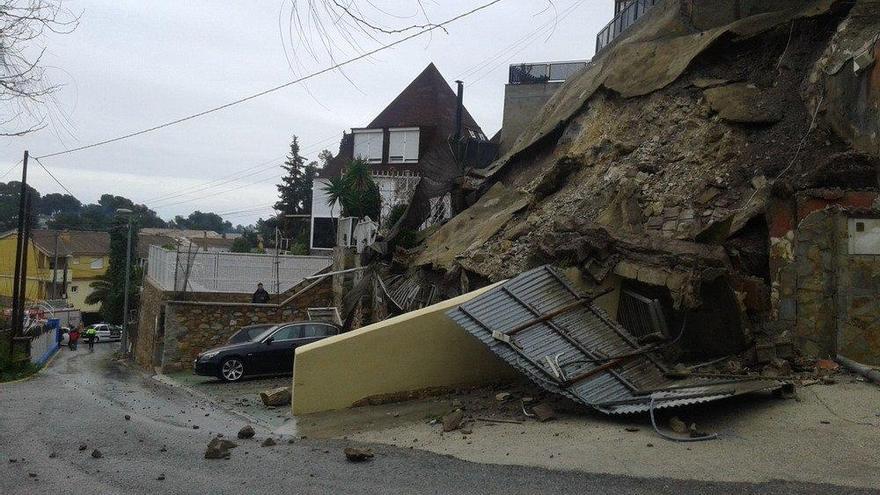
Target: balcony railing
x=628, y=16
x=537, y=73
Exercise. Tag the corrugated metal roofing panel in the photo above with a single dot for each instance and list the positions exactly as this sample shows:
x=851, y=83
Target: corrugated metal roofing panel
x=540, y=325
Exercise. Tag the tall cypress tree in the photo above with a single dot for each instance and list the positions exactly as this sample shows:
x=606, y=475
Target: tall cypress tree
x=295, y=189
x=110, y=288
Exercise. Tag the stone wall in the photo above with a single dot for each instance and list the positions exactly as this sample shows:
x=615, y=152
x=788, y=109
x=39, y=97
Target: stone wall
x=192, y=326
x=825, y=297
x=144, y=341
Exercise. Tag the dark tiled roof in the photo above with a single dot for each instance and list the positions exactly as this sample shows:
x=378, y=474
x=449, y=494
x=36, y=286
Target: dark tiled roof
x=428, y=102
x=72, y=242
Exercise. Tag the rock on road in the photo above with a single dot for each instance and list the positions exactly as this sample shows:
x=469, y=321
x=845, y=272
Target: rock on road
x=152, y=439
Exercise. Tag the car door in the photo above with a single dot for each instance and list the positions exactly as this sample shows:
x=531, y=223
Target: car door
x=277, y=357
x=314, y=332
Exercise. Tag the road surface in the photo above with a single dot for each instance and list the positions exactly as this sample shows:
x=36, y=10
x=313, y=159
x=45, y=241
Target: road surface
x=83, y=398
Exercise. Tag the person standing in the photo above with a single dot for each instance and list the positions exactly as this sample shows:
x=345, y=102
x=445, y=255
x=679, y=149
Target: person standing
x=73, y=337
x=260, y=295
x=91, y=333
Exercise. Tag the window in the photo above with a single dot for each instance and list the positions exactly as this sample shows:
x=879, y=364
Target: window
x=97, y=263
x=368, y=145
x=403, y=145
x=317, y=331
x=288, y=333
x=73, y=288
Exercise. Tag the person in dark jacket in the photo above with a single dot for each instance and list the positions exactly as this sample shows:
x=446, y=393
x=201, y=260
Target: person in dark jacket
x=260, y=295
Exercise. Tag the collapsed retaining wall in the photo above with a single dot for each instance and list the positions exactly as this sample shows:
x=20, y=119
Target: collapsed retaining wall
x=419, y=350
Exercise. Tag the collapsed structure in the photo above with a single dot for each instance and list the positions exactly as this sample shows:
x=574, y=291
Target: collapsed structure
x=716, y=166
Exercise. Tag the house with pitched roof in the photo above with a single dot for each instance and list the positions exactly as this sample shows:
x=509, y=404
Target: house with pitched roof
x=61, y=264
x=409, y=144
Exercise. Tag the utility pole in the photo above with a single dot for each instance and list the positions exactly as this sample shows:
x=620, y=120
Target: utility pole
x=16, y=282
x=22, y=287
x=55, y=293
x=124, y=339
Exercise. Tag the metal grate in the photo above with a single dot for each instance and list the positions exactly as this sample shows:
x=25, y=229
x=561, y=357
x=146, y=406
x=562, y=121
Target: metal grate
x=641, y=316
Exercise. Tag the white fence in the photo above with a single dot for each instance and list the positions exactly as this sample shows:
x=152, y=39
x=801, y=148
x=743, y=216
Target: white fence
x=229, y=272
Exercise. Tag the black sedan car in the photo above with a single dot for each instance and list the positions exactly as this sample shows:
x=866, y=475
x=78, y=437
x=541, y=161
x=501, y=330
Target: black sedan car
x=270, y=353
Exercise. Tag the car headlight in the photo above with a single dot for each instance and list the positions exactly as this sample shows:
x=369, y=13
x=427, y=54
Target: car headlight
x=209, y=355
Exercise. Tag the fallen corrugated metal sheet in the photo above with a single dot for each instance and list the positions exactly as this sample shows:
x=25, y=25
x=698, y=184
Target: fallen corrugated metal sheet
x=540, y=325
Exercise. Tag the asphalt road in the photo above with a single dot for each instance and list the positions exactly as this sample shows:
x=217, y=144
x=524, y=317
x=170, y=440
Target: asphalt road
x=83, y=398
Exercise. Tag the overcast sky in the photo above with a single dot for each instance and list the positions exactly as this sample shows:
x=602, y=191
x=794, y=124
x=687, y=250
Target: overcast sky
x=133, y=64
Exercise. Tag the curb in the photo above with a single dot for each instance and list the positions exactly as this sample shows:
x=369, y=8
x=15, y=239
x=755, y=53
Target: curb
x=167, y=380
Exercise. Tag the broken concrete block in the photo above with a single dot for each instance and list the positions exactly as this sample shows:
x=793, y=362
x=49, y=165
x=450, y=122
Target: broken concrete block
x=503, y=396
x=677, y=425
x=246, y=432
x=276, y=397
x=358, y=455
x=743, y=103
x=218, y=448
x=452, y=421
x=544, y=412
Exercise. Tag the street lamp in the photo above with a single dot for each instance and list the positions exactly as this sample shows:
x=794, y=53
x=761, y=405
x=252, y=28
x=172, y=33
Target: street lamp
x=124, y=338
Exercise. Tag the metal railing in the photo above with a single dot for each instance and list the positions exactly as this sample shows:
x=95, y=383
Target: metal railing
x=628, y=16
x=229, y=272
x=543, y=72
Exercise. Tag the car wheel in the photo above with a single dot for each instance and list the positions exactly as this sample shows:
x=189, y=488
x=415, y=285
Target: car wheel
x=231, y=370
x=97, y=339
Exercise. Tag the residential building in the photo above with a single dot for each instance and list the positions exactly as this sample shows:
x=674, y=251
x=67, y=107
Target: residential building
x=529, y=87
x=413, y=140
x=82, y=256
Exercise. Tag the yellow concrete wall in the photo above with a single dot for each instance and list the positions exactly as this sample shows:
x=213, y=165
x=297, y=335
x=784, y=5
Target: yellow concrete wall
x=34, y=289
x=414, y=351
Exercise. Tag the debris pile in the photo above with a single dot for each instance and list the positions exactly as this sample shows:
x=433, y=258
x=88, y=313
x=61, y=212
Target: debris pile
x=705, y=176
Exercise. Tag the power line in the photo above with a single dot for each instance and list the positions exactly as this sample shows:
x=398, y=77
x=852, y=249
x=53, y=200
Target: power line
x=235, y=176
x=10, y=169
x=52, y=176
x=273, y=89
x=216, y=193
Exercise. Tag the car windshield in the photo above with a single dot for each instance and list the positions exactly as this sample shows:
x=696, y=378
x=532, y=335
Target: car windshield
x=266, y=333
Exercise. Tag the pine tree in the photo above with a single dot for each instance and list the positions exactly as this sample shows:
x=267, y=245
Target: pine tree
x=290, y=190
x=295, y=189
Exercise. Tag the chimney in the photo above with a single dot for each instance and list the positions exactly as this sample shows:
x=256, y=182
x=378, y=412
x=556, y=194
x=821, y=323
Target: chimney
x=459, y=111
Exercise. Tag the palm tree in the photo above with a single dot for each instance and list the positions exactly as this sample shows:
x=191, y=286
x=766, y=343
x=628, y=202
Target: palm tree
x=100, y=289
x=355, y=191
